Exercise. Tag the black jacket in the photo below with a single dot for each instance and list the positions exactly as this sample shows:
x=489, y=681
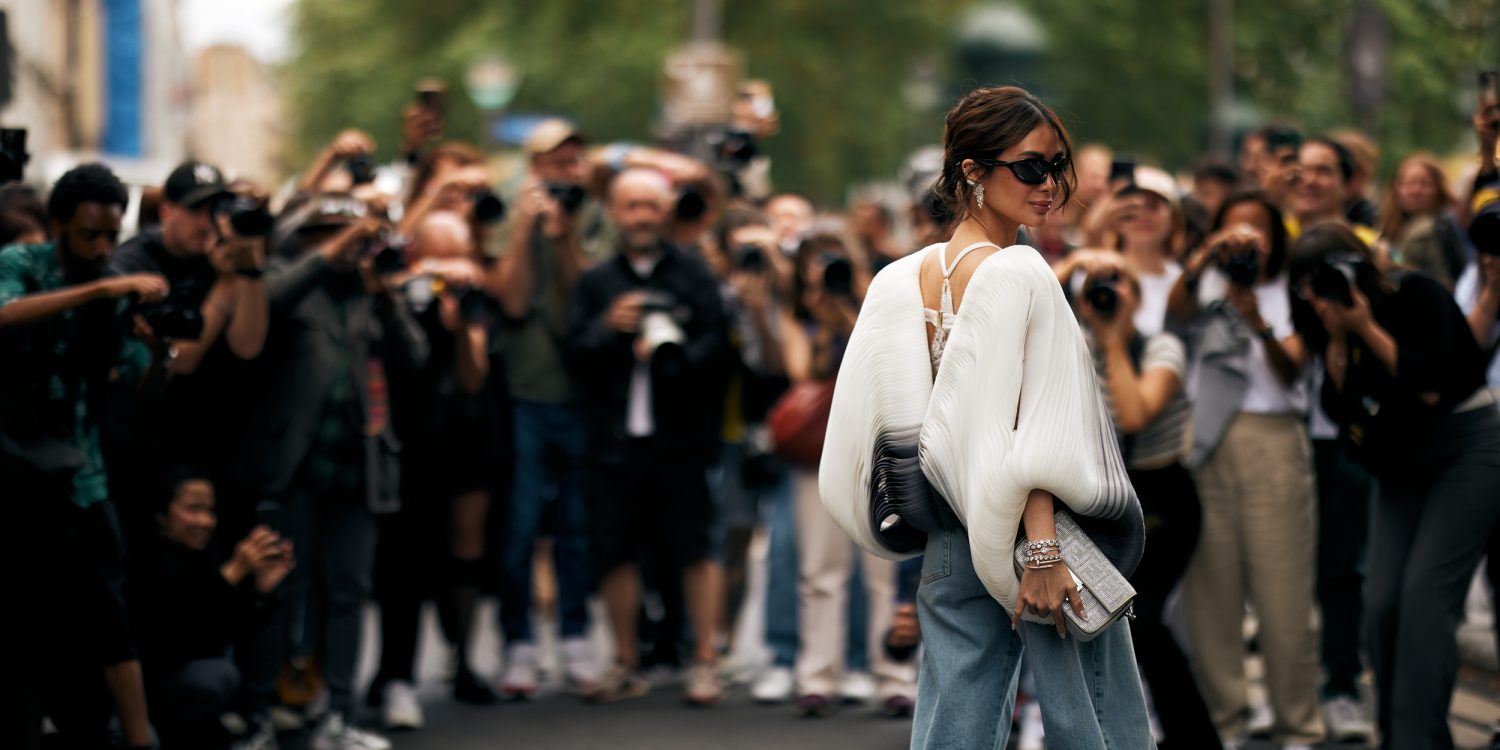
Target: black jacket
x=301, y=361
x=687, y=384
x=182, y=608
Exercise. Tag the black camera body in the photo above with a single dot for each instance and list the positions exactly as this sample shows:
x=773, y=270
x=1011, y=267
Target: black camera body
x=750, y=258
x=570, y=197
x=1334, y=279
x=247, y=216
x=361, y=171
x=838, y=276
x=1242, y=267
x=173, y=318
x=1103, y=295
x=488, y=208
x=388, y=251
x=13, y=156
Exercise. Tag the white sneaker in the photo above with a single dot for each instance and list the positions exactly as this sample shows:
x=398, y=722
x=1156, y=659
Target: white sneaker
x=1261, y=720
x=1033, y=735
x=400, y=708
x=284, y=719
x=1346, y=720
x=262, y=736
x=1297, y=747
x=857, y=687
x=317, y=708
x=234, y=724
x=520, y=679
x=775, y=686
x=335, y=734
x=579, y=667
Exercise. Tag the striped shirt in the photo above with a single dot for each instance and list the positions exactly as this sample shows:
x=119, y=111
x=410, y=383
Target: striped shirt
x=1161, y=443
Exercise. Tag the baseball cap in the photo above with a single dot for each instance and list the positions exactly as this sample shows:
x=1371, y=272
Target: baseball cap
x=194, y=182
x=324, y=210
x=549, y=134
x=1153, y=180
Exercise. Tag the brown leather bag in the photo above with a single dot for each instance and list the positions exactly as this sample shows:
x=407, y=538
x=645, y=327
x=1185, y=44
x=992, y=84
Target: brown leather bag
x=799, y=421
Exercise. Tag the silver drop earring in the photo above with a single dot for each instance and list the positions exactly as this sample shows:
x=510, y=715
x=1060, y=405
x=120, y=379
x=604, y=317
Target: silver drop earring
x=979, y=196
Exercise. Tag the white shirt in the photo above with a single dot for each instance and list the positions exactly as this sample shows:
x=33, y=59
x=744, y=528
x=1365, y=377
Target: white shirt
x=640, y=421
x=1266, y=394
x=1466, y=293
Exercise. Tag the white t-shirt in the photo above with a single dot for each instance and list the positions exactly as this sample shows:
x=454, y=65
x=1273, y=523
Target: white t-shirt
x=1151, y=317
x=1466, y=293
x=1266, y=394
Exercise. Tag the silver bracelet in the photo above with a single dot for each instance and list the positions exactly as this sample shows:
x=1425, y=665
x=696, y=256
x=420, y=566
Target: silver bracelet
x=1042, y=544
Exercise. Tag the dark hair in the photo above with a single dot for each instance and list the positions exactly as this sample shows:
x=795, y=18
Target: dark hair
x=13, y=224
x=815, y=245
x=23, y=198
x=981, y=126
x=1276, y=260
x=1343, y=154
x=89, y=183
x=1216, y=171
x=1277, y=136
x=736, y=218
x=1332, y=239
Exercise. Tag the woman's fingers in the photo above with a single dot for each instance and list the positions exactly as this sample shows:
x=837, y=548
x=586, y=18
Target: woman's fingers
x=1077, y=601
x=1062, y=623
x=1015, y=617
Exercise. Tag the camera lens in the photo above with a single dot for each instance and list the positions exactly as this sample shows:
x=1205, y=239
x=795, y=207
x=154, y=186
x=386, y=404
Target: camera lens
x=570, y=197
x=488, y=208
x=248, y=218
x=1103, y=295
x=838, y=277
x=750, y=258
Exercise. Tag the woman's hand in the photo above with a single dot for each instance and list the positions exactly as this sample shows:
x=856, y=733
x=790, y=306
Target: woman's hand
x=1046, y=591
x=1340, y=320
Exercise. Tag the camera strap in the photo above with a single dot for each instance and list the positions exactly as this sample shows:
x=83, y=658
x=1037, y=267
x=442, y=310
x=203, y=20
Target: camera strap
x=1137, y=349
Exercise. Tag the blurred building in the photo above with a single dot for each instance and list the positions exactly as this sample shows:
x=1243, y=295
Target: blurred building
x=236, y=119
x=97, y=79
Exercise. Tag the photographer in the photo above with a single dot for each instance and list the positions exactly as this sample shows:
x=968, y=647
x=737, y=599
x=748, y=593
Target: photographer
x=64, y=335
x=448, y=417
x=318, y=449
x=534, y=280
x=814, y=332
x=210, y=247
x=1142, y=377
x=190, y=605
x=1254, y=473
x=1406, y=386
x=1321, y=187
x=648, y=344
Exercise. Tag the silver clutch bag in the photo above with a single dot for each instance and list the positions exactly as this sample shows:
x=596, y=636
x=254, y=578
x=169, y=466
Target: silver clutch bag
x=1106, y=594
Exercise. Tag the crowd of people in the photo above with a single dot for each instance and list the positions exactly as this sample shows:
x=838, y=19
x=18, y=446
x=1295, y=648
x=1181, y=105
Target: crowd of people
x=606, y=374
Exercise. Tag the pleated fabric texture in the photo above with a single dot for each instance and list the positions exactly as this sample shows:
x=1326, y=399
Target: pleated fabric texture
x=1015, y=406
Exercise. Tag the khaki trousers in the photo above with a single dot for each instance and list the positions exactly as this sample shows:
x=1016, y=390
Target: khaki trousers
x=825, y=560
x=1259, y=543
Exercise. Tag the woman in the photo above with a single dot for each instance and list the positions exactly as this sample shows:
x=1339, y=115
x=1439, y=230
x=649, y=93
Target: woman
x=1406, y=385
x=1145, y=217
x=814, y=335
x=1417, y=228
x=1253, y=465
x=1142, y=377
x=995, y=402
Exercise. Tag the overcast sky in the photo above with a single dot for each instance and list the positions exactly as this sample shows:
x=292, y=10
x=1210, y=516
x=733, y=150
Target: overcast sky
x=258, y=25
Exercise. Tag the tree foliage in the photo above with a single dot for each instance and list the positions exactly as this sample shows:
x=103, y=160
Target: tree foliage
x=1126, y=72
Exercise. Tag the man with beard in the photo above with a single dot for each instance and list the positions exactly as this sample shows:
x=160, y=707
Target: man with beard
x=648, y=344
x=64, y=336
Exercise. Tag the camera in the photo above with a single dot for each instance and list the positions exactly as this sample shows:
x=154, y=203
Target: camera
x=247, y=216
x=488, y=208
x=1239, y=260
x=838, y=276
x=734, y=149
x=13, y=156
x=1103, y=294
x=388, y=251
x=361, y=171
x=659, y=326
x=691, y=205
x=750, y=258
x=570, y=197
x=1334, y=279
x=173, y=318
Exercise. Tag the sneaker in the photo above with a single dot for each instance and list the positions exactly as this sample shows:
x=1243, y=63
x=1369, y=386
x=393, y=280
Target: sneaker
x=579, y=667
x=234, y=724
x=1298, y=746
x=1346, y=720
x=316, y=708
x=400, y=709
x=619, y=684
x=1033, y=736
x=814, y=706
x=703, y=686
x=284, y=719
x=857, y=687
x=898, y=707
x=775, y=686
x=1261, y=721
x=468, y=688
x=262, y=736
x=520, y=679
x=335, y=734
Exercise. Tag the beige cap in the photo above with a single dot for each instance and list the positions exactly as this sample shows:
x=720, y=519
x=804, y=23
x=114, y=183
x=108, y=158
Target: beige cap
x=1153, y=180
x=549, y=134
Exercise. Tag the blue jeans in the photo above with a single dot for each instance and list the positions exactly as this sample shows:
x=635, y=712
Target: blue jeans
x=1089, y=693
x=551, y=443
x=781, y=590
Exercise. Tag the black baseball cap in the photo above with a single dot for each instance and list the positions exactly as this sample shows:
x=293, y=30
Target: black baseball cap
x=194, y=182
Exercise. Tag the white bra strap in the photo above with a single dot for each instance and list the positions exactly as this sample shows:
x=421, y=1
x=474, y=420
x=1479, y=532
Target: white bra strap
x=943, y=251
